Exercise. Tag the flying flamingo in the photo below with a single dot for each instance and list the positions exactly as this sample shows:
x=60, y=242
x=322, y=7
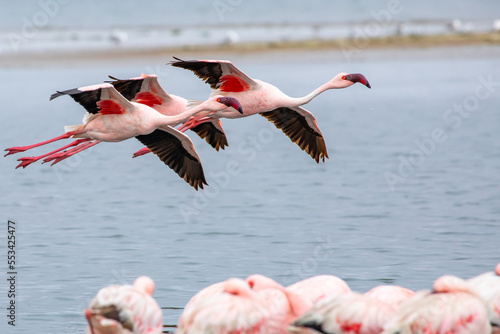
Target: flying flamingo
x=146, y=89
x=452, y=307
x=487, y=286
x=258, y=97
x=125, y=309
x=112, y=118
x=237, y=309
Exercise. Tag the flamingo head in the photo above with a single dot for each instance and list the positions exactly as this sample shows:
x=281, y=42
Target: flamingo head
x=260, y=282
x=343, y=80
x=229, y=102
x=449, y=283
x=237, y=287
x=107, y=320
x=145, y=284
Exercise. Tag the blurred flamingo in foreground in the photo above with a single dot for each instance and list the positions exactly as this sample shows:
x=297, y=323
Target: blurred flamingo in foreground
x=319, y=287
x=487, y=286
x=236, y=309
x=112, y=118
x=304, y=294
x=258, y=97
x=353, y=312
x=146, y=89
x=452, y=307
x=122, y=309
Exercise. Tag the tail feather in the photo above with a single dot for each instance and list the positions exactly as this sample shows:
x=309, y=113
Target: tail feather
x=193, y=103
x=71, y=128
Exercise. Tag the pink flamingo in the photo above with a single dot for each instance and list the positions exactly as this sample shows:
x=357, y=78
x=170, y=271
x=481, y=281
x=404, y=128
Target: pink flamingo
x=487, y=286
x=318, y=287
x=237, y=309
x=391, y=294
x=298, y=304
x=452, y=307
x=258, y=97
x=112, y=118
x=208, y=292
x=352, y=312
x=146, y=89
x=125, y=309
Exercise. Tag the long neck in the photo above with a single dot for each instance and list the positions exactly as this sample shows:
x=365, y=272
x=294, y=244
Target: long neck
x=298, y=101
x=182, y=117
x=298, y=304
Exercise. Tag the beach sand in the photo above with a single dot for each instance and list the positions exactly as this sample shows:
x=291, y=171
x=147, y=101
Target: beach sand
x=347, y=49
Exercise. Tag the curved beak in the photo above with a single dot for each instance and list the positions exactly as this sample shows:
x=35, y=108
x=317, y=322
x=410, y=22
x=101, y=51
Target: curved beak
x=358, y=77
x=232, y=102
x=88, y=316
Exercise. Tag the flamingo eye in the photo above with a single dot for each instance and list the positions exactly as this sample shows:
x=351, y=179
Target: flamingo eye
x=251, y=283
x=344, y=78
x=218, y=100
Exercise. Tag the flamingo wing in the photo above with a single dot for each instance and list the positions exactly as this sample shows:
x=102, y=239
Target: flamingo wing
x=144, y=89
x=301, y=127
x=487, y=286
x=440, y=313
x=319, y=287
x=213, y=133
x=177, y=151
x=219, y=74
x=102, y=98
x=348, y=313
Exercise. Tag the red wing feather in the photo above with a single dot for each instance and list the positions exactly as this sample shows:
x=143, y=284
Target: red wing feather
x=232, y=83
x=108, y=107
x=147, y=98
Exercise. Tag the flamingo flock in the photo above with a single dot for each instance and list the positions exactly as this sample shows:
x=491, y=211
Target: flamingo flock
x=139, y=107
x=320, y=304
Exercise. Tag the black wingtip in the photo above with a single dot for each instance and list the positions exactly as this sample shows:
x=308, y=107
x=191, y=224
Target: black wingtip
x=65, y=92
x=55, y=95
x=113, y=79
x=177, y=60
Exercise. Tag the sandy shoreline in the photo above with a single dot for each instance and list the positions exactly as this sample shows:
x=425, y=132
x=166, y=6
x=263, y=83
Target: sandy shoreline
x=343, y=48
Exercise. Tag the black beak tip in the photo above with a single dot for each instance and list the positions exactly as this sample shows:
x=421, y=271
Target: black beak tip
x=368, y=85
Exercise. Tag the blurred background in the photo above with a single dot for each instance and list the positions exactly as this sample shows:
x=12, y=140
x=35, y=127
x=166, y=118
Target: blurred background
x=410, y=191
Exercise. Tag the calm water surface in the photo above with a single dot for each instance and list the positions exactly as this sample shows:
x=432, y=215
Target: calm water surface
x=103, y=218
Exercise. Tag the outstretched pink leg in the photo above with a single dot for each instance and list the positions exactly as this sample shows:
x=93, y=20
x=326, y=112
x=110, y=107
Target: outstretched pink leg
x=58, y=157
x=18, y=149
x=183, y=128
x=191, y=123
x=26, y=161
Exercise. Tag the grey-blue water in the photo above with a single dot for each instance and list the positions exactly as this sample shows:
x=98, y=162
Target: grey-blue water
x=102, y=217
x=122, y=13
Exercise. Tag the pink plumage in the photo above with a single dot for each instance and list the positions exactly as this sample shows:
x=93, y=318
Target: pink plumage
x=452, y=307
x=236, y=309
x=258, y=97
x=112, y=118
x=487, y=286
x=319, y=287
x=122, y=309
x=353, y=313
